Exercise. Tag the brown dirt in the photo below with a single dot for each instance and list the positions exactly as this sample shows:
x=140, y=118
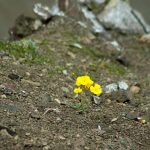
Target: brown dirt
x=25, y=124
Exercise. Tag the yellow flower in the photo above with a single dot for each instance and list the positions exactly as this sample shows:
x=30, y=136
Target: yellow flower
x=77, y=90
x=85, y=81
x=96, y=89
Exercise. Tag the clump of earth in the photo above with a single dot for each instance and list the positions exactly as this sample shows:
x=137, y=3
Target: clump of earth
x=38, y=108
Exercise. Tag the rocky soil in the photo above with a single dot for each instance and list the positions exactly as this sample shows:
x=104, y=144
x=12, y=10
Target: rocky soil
x=38, y=109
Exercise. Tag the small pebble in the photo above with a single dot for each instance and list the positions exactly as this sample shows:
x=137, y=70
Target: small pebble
x=123, y=85
x=61, y=137
x=86, y=148
x=122, y=60
x=65, y=90
x=5, y=133
x=28, y=73
x=46, y=147
x=44, y=70
x=72, y=55
x=65, y=72
x=114, y=119
x=143, y=121
x=111, y=88
x=35, y=115
x=132, y=115
x=27, y=134
x=31, y=82
x=57, y=100
x=58, y=119
x=145, y=38
x=15, y=77
x=134, y=89
x=97, y=100
x=3, y=96
x=116, y=45
x=108, y=101
x=77, y=45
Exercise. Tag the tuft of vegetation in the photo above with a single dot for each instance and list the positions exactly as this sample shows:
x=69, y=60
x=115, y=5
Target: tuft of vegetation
x=26, y=49
x=114, y=68
x=81, y=106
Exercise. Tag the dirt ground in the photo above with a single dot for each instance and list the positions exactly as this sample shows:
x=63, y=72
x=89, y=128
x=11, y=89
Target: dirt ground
x=38, y=109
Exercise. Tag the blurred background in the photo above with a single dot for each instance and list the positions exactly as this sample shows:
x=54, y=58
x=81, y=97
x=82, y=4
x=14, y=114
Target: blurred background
x=11, y=9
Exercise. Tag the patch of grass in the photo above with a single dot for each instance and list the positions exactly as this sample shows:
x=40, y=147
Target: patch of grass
x=93, y=67
x=87, y=50
x=23, y=48
x=115, y=69
x=77, y=72
x=26, y=49
x=57, y=70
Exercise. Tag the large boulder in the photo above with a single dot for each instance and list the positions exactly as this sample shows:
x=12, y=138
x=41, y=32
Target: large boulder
x=118, y=14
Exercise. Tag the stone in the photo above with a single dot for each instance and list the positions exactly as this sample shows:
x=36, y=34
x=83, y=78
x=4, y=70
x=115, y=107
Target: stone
x=118, y=14
x=61, y=137
x=65, y=72
x=114, y=119
x=120, y=96
x=7, y=89
x=37, y=24
x=95, y=1
x=111, y=87
x=69, y=7
x=122, y=60
x=46, y=147
x=3, y=96
x=45, y=13
x=15, y=77
x=96, y=99
x=23, y=27
x=65, y=90
x=35, y=115
x=5, y=131
x=116, y=45
x=77, y=45
x=123, y=85
x=135, y=89
x=145, y=38
x=92, y=22
x=31, y=82
x=132, y=115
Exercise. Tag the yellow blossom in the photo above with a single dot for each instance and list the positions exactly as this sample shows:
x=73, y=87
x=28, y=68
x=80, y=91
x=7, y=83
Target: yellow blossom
x=85, y=81
x=96, y=89
x=77, y=90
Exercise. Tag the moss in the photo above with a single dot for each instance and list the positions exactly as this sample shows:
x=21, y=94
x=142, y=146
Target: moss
x=87, y=50
x=115, y=69
x=57, y=70
x=44, y=42
x=26, y=49
x=93, y=67
x=23, y=48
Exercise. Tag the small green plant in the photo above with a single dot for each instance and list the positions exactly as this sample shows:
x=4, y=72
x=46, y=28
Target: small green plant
x=26, y=49
x=82, y=106
x=23, y=48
